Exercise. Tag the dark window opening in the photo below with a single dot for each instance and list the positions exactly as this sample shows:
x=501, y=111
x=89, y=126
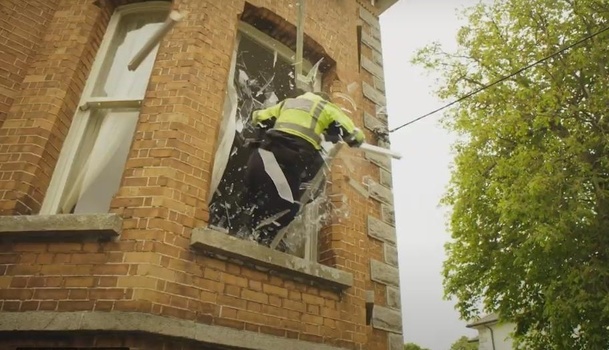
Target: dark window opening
x=261, y=79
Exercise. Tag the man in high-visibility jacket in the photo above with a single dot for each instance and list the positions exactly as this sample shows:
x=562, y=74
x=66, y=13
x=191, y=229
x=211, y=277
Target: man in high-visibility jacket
x=288, y=155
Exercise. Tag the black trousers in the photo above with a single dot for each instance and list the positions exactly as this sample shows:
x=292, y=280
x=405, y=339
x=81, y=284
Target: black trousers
x=298, y=161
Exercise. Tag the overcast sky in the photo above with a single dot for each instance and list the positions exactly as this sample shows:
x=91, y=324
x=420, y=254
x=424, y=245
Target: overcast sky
x=420, y=178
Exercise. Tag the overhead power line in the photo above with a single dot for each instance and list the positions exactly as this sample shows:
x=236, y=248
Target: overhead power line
x=472, y=93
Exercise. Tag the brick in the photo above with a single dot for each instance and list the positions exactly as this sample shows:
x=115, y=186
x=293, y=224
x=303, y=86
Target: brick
x=254, y=296
x=107, y=294
x=254, y=285
x=274, y=300
x=30, y=305
x=229, y=323
x=75, y=294
x=69, y=305
x=232, y=290
x=5, y=281
x=19, y=282
x=294, y=295
x=251, y=317
x=15, y=294
x=47, y=306
x=235, y=280
x=312, y=299
x=238, y=303
x=54, y=294
x=111, y=269
x=181, y=289
x=136, y=281
x=294, y=305
x=11, y=306
x=79, y=282
x=270, y=289
x=97, y=258
x=142, y=257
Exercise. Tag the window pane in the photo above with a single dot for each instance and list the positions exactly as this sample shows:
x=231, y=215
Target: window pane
x=96, y=176
x=114, y=79
x=97, y=168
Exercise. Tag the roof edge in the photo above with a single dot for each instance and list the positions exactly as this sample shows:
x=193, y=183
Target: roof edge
x=488, y=319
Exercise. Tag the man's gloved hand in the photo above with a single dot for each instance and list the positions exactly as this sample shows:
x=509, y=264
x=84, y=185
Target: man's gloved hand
x=333, y=133
x=332, y=138
x=356, y=138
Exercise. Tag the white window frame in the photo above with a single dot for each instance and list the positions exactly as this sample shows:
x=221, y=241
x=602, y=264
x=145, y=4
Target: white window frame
x=274, y=45
x=265, y=40
x=57, y=186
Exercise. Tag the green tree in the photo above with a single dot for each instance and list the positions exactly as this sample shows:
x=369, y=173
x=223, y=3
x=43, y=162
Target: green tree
x=463, y=344
x=413, y=346
x=530, y=185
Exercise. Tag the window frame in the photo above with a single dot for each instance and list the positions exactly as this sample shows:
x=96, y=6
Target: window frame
x=87, y=104
x=270, y=43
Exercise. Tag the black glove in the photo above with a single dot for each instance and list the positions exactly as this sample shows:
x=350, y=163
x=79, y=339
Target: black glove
x=333, y=133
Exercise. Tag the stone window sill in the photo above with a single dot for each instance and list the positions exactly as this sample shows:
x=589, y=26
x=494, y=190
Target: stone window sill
x=63, y=227
x=224, y=246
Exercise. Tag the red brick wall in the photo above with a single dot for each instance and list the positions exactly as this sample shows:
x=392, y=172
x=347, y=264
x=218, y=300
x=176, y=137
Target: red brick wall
x=21, y=27
x=162, y=198
x=38, y=120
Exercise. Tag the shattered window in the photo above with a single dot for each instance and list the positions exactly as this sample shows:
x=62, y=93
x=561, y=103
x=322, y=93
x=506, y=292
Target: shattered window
x=261, y=77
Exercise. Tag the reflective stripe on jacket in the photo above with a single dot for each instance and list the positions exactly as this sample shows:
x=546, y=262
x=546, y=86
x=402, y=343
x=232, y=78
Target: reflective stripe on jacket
x=306, y=116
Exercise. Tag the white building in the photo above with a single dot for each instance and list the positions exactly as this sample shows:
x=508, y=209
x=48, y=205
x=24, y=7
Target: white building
x=492, y=334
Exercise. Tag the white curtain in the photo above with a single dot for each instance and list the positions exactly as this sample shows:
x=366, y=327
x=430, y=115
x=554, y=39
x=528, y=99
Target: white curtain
x=97, y=176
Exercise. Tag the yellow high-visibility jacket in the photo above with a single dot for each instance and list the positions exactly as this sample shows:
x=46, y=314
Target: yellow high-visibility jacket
x=307, y=116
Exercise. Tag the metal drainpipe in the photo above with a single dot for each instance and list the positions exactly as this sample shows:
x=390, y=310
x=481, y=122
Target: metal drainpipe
x=492, y=335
